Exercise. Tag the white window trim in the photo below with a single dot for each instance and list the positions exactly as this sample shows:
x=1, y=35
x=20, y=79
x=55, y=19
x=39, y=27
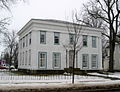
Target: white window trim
x=45, y=66
x=87, y=61
x=96, y=61
x=59, y=62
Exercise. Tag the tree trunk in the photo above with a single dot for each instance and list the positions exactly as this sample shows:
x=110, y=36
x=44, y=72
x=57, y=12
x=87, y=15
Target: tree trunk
x=73, y=66
x=111, y=59
x=112, y=48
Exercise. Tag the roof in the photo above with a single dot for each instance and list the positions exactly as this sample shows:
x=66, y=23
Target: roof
x=51, y=21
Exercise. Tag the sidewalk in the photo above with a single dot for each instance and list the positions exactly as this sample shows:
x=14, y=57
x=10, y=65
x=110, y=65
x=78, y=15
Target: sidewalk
x=59, y=87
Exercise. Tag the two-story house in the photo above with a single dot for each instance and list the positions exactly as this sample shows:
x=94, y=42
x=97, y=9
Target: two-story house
x=41, y=46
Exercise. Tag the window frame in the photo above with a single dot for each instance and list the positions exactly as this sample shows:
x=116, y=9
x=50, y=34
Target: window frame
x=23, y=42
x=94, y=42
x=26, y=40
x=59, y=62
x=23, y=59
x=86, y=40
x=58, y=34
x=73, y=38
x=87, y=55
x=20, y=59
x=96, y=61
x=44, y=37
x=45, y=66
x=29, y=57
x=26, y=56
x=30, y=35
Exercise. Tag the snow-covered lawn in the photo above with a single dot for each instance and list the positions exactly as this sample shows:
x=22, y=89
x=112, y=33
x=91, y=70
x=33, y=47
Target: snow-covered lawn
x=112, y=75
x=7, y=78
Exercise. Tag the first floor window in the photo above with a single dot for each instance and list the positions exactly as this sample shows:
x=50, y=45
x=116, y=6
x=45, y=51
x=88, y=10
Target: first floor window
x=94, y=60
x=56, y=60
x=42, y=59
x=85, y=61
x=29, y=57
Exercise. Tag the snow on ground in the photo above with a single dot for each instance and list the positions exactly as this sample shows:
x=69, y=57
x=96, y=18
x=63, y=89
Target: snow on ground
x=10, y=79
x=107, y=74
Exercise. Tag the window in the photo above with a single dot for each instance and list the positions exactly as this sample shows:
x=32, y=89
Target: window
x=71, y=36
x=23, y=42
x=20, y=41
x=42, y=59
x=56, y=60
x=85, y=61
x=23, y=59
x=56, y=38
x=26, y=40
x=85, y=40
x=29, y=57
x=20, y=58
x=94, y=60
x=30, y=38
x=42, y=37
x=94, y=41
x=26, y=58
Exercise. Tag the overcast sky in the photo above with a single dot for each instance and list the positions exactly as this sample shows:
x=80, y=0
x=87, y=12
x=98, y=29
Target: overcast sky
x=21, y=13
x=43, y=9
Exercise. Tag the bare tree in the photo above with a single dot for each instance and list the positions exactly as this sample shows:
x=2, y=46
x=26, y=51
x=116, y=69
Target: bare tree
x=11, y=43
x=109, y=12
x=75, y=45
x=5, y=4
x=92, y=21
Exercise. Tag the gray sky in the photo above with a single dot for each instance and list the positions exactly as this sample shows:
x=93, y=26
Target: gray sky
x=21, y=13
x=43, y=9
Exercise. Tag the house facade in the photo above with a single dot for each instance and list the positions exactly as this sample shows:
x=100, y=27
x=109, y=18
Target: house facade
x=42, y=46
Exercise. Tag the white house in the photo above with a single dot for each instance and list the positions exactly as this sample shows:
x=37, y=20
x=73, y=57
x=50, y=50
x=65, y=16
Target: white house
x=41, y=46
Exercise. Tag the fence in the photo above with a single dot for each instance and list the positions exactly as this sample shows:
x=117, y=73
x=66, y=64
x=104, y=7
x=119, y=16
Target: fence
x=15, y=77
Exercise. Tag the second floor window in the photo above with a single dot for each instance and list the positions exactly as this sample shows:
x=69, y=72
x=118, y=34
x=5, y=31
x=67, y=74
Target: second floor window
x=26, y=40
x=71, y=36
x=85, y=40
x=94, y=41
x=23, y=42
x=30, y=38
x=42, y=37
x=56, y=38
